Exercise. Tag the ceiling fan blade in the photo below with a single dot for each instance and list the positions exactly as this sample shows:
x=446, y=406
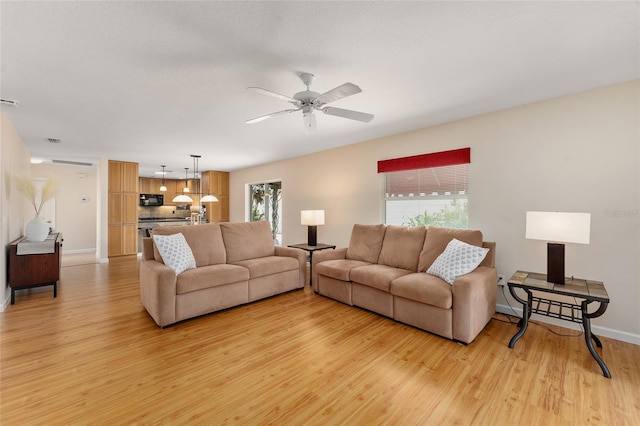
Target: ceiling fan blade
x=339, y=92
x=273, y=114
x=347, y=113
x=274, y=94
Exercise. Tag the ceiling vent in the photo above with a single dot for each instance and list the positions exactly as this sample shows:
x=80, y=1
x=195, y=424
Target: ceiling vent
x=8, y=102
x=71, y=163
x=53, y=140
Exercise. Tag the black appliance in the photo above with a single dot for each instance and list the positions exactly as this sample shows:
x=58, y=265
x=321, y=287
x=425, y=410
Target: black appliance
x=151, y=200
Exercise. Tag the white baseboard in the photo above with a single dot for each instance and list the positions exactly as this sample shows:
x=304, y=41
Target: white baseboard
x=79, y=251
x=7, y=299
x=623, y=336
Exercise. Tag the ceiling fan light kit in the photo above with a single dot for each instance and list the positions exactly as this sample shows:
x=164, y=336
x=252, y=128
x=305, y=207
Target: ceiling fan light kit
x=307, y=101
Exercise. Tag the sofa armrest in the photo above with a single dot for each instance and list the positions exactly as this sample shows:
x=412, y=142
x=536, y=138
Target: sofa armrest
x=298, y=254
x=474, y=302
x=147, y=248
x=158, y=291
x=322, y=256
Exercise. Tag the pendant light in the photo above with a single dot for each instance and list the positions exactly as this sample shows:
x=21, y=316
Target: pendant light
x=182, y=198
x=206, y=198
x=186, y=180
x=163, y=188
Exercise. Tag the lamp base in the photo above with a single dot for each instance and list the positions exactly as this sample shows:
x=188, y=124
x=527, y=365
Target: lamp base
x=312, y=235
x=555, y=263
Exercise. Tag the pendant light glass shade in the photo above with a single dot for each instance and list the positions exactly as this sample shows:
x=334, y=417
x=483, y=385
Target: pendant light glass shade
x=208, y=199
x=183, y=199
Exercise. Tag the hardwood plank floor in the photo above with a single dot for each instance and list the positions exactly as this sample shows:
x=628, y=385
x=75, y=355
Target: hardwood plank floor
x=93, y=356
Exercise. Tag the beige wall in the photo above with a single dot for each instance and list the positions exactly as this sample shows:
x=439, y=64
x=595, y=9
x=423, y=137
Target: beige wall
x=576, y=153
x=75, y=218
x=14, y=159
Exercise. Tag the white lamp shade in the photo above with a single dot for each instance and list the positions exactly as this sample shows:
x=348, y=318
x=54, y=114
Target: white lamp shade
x=163, y=188
x=312, y=217
x=209, y=199
x=183, y=199
x=559, y=227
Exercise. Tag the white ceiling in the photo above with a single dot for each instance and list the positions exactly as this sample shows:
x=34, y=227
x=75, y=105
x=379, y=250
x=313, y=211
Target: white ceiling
x=153, y=82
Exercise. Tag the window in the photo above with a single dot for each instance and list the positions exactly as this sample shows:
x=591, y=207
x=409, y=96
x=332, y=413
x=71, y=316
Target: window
x=265, y=201
x=429, y=189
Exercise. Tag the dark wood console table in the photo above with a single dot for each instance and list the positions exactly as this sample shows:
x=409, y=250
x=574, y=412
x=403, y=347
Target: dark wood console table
x=583, y=292
x=34, y=268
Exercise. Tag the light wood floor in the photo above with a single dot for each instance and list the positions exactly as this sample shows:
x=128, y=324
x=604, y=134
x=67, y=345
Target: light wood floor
x=93, y=356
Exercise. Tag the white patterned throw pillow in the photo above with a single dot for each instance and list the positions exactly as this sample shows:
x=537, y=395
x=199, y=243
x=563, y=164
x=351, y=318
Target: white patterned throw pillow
x=175, y=252
x=457, y=259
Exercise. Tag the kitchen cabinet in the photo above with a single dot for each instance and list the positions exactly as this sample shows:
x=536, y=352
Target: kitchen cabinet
x=174, y=187
x=122, y=208
x=150, y=186
x=216, y=183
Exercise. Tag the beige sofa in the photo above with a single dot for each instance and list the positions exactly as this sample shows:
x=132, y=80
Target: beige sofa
x=236, y=263
x=383, y=270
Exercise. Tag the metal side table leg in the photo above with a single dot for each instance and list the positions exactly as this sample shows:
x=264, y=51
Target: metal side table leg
x=586, y=322
x=526, y=313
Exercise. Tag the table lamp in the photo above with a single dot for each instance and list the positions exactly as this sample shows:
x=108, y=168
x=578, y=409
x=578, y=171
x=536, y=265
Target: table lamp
x=312, y=218
x=557, y=228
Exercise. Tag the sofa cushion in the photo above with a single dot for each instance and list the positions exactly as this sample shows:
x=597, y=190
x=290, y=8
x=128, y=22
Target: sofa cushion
x=377, y=276
x=423, y=288
x=459, y=258
x=365, y=242
x=438, y=238
x=401, y=246
x=247, y=240
x=263, y=266
x=340, y=269
x=205, y=241
x=175, y=252
x=210, y=276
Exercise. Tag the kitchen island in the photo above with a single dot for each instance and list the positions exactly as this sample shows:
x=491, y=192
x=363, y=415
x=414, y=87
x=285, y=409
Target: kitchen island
x=146, y=224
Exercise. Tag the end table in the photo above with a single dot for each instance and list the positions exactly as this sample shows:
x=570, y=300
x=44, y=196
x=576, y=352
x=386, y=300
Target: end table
x=587, y=291
x=311, y=249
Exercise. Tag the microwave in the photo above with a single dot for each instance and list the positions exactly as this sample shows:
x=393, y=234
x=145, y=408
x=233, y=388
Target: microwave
x=150, y=200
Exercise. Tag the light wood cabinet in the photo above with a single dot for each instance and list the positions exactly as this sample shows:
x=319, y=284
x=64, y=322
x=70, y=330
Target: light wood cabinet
x=115, y=176
x=122, y=208
x=216, y=183
x=174, y=187
x=151, y=186
x=130, y=177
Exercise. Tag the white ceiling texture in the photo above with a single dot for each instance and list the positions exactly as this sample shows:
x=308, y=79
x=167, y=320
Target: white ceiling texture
x=154, y=82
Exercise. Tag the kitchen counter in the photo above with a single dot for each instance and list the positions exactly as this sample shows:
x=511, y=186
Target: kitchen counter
x=148, y=223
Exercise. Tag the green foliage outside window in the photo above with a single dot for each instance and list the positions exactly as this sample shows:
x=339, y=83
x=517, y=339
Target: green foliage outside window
x=266, y=202
x=455, y=215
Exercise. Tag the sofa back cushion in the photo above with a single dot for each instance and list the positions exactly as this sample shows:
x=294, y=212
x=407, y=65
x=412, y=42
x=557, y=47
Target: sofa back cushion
x=205, y=241
x=247, y=240
x=401, y=246
x=365, y=242
x=438, y=238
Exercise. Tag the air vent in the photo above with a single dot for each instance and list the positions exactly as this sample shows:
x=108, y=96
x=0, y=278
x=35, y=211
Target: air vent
x=71, y=163
x=53, y=140
x=8, y=102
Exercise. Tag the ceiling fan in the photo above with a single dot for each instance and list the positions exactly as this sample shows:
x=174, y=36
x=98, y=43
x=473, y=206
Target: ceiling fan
x=307, y=101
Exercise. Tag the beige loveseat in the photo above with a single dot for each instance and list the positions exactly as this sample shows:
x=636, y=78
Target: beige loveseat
x=236, y=263
x=383, y=270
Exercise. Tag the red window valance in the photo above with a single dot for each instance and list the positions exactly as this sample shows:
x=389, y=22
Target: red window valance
x=423, y=161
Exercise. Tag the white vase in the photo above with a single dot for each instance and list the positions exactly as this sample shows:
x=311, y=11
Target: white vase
x=37, y=229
